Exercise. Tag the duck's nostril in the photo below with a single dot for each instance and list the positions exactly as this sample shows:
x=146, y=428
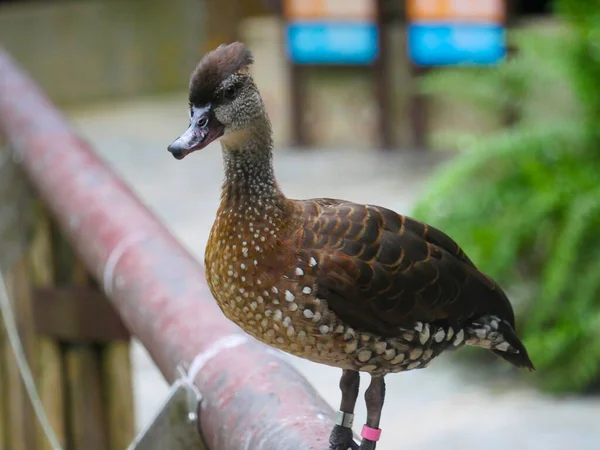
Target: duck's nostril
x=203, y=122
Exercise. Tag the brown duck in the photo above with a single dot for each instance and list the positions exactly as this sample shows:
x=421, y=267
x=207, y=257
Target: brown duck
x=354, y=286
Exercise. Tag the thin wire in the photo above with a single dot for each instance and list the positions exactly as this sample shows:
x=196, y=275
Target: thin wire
x=15, y=342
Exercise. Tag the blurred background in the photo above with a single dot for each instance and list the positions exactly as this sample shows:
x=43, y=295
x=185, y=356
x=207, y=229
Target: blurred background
x=481, y=117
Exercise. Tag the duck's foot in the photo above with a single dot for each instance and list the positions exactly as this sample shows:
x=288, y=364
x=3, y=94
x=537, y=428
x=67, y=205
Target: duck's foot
x=341, y=438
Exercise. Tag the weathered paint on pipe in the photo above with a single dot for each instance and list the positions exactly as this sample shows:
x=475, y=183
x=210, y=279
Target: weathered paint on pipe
x=252, y=399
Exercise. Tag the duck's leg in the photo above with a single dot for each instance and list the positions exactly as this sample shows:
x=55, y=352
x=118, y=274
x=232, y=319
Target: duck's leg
x=374, y=397
x=341, y=435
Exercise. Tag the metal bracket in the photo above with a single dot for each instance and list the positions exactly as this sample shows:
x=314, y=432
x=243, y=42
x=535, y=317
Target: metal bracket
x=175, y=426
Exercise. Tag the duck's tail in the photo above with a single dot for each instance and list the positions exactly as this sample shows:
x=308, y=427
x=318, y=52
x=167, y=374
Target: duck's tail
x=500, y=337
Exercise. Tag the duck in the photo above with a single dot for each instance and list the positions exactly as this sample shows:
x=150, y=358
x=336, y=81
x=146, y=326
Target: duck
x=354, y=286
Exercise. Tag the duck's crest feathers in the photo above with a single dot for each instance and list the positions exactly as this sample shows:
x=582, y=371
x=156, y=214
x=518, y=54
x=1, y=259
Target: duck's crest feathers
x=215, y=67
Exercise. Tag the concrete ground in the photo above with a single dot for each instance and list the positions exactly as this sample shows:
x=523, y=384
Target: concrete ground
x=446, y=406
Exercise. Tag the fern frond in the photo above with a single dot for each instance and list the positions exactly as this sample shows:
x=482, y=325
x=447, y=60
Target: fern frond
x=524, y=202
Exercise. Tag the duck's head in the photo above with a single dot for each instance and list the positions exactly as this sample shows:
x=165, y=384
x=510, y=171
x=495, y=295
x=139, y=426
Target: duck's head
x=224, y=100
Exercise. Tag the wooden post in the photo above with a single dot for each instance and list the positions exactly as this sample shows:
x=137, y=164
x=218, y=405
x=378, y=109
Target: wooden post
x=87, y=421
x=378, y=71
x=382, y=82
x=419, y=114
x=87, y=428
x=21, y=419
x=116, y=372
x=98, y=410
x=50, y=373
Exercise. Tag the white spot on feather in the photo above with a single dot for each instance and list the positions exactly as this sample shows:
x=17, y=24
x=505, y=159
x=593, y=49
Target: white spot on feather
x=414, y=365
x=416, y=353
x=459, y=338
x=503, y=346
x=439, y=336
x=480, y=333
x=425, y=334
x=364, y=355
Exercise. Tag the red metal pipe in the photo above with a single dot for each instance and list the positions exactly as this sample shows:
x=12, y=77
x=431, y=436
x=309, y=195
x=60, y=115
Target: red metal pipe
x=252, y=398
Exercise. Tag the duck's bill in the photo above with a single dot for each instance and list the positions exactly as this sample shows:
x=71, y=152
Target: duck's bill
x=203, y=130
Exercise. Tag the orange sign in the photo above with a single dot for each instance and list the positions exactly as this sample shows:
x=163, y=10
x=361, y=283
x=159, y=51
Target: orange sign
x=355, y=10
x=467, y=10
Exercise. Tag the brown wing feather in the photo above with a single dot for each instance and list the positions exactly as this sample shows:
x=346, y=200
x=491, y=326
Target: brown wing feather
x=379, y=270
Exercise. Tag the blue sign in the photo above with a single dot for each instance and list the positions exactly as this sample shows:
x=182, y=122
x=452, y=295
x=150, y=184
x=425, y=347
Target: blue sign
x=439, y=44
x=332, y=42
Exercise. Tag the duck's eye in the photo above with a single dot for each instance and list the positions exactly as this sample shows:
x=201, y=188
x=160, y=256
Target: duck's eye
x=230, y=92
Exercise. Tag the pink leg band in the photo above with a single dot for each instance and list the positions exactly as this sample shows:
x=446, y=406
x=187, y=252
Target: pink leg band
x=372, y=434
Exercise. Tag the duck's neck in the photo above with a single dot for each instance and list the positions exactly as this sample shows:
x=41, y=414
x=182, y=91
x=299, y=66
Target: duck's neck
x=249, y=178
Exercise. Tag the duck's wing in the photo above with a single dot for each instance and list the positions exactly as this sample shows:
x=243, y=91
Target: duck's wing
x=379, y=270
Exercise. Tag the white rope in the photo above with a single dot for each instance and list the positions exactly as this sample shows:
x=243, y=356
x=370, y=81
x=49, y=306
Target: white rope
x=225, y=343
x=15, y=343
x=115, y=256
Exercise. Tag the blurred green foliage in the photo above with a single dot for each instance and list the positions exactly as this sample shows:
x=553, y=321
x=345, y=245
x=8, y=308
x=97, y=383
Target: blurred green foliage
x=524, y=201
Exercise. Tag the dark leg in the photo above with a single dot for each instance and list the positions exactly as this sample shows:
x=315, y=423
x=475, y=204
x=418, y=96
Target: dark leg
x=374, y=397
x=341, y=435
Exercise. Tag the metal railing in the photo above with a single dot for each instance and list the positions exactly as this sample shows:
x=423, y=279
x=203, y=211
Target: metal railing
x=252, y=399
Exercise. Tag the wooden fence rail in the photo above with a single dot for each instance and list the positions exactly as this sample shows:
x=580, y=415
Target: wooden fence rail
x=72, y=337
x=252, y=398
